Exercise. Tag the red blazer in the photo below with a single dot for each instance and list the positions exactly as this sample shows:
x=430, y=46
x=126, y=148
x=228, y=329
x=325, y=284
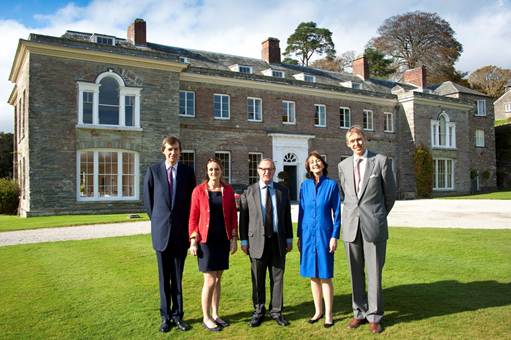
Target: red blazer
x=199, y=212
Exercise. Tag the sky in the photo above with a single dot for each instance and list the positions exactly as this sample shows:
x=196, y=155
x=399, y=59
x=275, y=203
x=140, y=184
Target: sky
x=238, y=27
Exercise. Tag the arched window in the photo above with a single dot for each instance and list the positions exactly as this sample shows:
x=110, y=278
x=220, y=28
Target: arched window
x=108, y=102
x=443, y=132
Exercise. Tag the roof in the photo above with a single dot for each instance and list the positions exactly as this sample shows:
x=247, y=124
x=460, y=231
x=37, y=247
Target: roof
x=449, y=87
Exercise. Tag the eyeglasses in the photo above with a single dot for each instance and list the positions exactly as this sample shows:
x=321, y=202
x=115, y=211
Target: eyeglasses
x=266, y=169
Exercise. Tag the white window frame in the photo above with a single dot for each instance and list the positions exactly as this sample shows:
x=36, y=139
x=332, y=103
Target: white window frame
x=389, y=122
x=446, y=175
x=450, y=133
x=481, y=109
x=237, y=68
x=229, y=167
x=479, y=138
x=278, y=74
x=224, y=97
x=184, y=60
x=119, y=197
x=186, y=103
x=369, y=118
x=256, y=176
x=124, y=92
x=345, y=110
x=94, y=38
x=507, y=107
x=189, y=152
x=288, y=112
x=305, y=77
x=254, y=118
x=320, y=113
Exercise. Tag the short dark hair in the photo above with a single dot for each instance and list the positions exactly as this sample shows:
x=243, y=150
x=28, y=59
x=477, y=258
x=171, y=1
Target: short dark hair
x=170, y=140
x=355, y=129
x=318, y=156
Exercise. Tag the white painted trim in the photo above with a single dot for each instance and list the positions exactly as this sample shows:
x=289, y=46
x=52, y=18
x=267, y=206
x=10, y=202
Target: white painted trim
x=319, y=115
x=260, y=106
x=186, y=105
x=221, y=103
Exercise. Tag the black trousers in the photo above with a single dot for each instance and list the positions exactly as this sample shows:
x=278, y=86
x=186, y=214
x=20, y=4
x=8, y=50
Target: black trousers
x=170, y=276
x=273, y=262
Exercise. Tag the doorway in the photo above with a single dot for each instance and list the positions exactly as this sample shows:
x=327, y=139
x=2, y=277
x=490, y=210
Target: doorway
x=290, y=181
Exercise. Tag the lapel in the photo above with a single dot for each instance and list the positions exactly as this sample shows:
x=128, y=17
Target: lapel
x=278, y=196
x=257, y=200
x=368, y=171
x=164, y=182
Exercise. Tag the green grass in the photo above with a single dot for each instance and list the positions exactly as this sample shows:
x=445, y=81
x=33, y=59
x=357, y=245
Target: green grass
x=499, y=122
x=9, y=222
x=497, y=195
x=438, y=283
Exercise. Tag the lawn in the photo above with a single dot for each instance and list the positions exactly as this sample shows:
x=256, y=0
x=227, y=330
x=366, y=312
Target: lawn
x=9, y=222
x=497, y=195
x=438, y=283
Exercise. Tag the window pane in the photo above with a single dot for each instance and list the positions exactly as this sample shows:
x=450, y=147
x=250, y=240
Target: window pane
x=253, y=162
x=109, y=102
x=107, y=176
x=128, y=109
x=86, y=174
x=188, y=158
x=225, y=158
x=128, y=174
x=87, y=107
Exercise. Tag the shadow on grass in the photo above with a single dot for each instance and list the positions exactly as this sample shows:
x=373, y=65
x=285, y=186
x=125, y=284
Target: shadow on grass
x=408, y=303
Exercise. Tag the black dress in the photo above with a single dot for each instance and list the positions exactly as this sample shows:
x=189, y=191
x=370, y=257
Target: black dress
x=214, y=254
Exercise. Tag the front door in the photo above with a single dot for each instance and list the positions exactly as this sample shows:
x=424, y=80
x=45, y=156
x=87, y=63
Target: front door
x=290, y=171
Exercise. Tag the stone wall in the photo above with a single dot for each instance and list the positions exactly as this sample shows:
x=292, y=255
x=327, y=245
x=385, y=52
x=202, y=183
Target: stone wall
x=503, y=151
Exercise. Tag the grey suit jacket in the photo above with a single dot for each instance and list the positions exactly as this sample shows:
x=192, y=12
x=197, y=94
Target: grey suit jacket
x=251, y=219
x=370, y=209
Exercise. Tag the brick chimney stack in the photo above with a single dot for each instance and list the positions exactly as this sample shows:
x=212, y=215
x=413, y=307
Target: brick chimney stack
x=271, y=51
x=416, y=76
x=360, y=67
x=137, y=33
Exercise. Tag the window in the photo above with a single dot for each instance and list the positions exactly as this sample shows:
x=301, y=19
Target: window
x=103, y=40
x=188, y=158
x=254, y=109
x=187, y=103
x=288, y=112
x=253, y=161
x=108, y=102
x=356, y=86
x=184, y=60
x=324, y=157
x=305, y=77
x=278, y=74
x=107, y=175
x=225, y=158
x=443, y=174
x=241, y=68
x=319, y=115
x=507, y=107
x=389, y=122
x=344, y=117
x=221, y=106
x=479, y=137
x=481, y=107
x=443, y=132
x=367, y=120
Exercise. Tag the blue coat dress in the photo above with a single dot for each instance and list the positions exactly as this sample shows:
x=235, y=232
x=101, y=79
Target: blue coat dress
x=319, y=220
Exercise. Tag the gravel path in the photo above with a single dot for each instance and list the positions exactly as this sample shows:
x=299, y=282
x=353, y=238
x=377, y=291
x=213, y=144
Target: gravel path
x=480, y=214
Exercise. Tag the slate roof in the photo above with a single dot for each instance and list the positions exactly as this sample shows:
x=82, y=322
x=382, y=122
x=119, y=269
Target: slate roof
x=449, y=87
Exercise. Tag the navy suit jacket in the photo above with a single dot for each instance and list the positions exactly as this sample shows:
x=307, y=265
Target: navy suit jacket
x=169, y=225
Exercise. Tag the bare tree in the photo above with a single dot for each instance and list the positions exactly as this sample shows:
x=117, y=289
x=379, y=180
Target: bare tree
x=338, y=64
x=490, y=79
x=419, y=38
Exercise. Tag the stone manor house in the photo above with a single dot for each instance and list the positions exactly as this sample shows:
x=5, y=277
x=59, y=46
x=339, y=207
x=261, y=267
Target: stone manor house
x=91, y=110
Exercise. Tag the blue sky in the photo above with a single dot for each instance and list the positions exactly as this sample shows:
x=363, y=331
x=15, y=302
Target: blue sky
x=239, y=26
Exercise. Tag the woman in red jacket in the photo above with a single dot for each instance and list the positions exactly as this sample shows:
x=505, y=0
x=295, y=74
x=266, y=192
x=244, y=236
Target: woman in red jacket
x=213, y=230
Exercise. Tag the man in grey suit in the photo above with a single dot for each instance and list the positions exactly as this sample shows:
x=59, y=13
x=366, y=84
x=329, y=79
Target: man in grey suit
x=266, y=235
x=369, y=191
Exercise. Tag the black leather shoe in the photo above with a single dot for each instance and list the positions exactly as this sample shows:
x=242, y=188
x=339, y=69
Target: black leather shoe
x=183, y=326
x=166, y=325
x=311, y=320
x=281, y=321
x=256, y=321
x=212, y=329
x=328, y=325
x=221, y=323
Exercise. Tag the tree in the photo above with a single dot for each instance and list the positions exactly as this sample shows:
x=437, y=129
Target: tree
x=290, y=61
x=309, y=39
x=337, y=64
x=490, y=79
x=419, y=38
x=6, y=150
x=379, y=66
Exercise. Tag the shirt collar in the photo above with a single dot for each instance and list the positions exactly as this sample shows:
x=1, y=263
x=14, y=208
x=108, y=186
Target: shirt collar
x=263, y=185
x=174, y=167
x=364, y=156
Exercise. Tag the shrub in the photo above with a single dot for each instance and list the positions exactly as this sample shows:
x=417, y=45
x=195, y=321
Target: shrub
x=9, y=196
x=423, y=171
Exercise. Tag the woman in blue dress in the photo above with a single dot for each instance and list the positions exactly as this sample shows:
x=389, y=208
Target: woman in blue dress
x=318, y=232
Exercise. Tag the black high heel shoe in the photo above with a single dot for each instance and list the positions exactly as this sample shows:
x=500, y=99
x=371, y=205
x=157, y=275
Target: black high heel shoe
x=311, y=321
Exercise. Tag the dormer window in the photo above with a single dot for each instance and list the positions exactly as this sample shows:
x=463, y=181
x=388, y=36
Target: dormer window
x=305, y=77
x=351, y=84
x=356, y=86
x=103, y=39
x=241, y=69
x=184, y=60
x=273, y=73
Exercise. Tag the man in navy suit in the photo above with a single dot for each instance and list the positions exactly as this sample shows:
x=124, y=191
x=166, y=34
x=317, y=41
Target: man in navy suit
x=168, y=187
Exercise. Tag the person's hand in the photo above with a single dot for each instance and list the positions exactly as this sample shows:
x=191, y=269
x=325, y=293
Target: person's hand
x=244, y=249
x=234, y=245
x=193, y=247
x=298, y=245
x=333, y=245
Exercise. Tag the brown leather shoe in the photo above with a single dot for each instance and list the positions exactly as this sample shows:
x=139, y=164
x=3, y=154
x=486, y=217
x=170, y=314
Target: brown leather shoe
x=355, y=323
x=375, y=327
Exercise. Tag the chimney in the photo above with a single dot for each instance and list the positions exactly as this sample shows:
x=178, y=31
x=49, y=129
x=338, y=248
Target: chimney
x=416, y=76
x=360, y=67
x=137, y=33
x=271, y=51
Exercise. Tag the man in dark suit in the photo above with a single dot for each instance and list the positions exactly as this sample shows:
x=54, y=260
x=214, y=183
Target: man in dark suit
x=369, y=191
x=168, y=187
x=266, y=235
